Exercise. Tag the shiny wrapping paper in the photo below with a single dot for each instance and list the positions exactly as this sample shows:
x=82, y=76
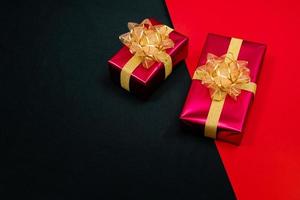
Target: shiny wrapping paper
x=234, y=112
x=144, y=81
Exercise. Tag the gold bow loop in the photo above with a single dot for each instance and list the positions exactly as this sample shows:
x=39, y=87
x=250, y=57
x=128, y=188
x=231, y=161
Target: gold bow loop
x=148, y=41
x=224, y=76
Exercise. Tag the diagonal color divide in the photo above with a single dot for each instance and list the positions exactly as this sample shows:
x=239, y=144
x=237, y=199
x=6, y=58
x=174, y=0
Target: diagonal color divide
x=267, y=163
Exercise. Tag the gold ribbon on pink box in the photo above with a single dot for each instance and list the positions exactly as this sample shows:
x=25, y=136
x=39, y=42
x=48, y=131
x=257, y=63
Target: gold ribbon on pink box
x=223, y=76
x=148, y=44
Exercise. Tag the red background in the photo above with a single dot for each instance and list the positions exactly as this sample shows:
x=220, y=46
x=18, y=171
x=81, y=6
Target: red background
x=267, y=163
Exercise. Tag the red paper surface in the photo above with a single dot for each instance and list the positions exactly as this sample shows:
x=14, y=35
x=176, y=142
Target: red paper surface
x=267, y=163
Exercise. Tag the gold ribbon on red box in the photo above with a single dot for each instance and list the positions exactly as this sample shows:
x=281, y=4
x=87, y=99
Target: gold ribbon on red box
x=148, y=44
x=223, y=76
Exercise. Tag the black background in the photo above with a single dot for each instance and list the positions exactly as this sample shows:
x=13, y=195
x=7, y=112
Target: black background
x=68, y=132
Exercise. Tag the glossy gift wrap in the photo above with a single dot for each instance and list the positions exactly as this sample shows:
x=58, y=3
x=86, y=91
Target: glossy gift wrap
x=202, y=110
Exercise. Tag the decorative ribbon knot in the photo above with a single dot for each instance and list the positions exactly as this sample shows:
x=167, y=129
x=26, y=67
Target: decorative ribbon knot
x=223, y=75
x=148, y=41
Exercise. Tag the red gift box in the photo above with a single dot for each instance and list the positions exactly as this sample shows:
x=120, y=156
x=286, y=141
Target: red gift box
x=144, y=81
x=234, y=111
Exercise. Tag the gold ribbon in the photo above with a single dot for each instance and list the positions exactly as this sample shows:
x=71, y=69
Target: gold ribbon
x=148, y=44
x=223, y=76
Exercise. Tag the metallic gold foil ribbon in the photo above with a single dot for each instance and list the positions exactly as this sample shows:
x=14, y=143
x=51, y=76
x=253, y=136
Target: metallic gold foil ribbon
x=148, y=44
x=223, y=76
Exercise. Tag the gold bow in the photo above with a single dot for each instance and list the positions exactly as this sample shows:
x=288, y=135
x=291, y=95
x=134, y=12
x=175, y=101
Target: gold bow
x=223, y=76
x=148, y=43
